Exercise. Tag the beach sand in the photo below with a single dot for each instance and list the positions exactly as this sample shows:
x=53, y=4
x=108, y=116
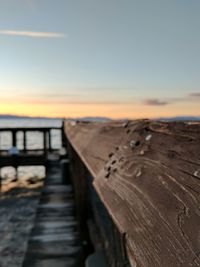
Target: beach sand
x=18, y=204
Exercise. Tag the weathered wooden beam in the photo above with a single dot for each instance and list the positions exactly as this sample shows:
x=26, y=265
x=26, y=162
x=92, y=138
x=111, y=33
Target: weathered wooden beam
x=147, y=174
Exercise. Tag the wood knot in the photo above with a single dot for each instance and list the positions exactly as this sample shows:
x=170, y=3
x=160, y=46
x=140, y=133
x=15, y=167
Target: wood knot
x=113, y=162
x=110, y=155
x=107, y=175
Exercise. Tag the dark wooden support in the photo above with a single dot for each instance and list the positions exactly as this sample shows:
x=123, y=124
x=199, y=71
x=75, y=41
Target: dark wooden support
x=78, y=173
x=25, y=140
x=45, y=141
x=14, y=138
x=0, y=181
x=63, y=136
x=49, y=140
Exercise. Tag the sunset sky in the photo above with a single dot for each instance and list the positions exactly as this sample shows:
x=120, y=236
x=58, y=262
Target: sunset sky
x=113, y=58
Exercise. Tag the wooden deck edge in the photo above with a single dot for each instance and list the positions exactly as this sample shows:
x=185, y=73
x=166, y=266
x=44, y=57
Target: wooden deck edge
x=147, y=174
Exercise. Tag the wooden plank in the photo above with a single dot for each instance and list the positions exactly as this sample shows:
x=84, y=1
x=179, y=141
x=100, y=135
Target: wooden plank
x=148, y=176
x=23, y=159
x=54, y=239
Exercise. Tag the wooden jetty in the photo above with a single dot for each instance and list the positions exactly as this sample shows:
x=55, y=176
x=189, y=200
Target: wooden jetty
x=126, y=194
x=55, y=239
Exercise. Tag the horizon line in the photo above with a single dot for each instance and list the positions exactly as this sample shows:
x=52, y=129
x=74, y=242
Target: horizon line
x=97, y=117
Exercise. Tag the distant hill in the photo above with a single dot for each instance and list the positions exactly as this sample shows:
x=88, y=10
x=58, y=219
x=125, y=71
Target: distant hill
x=7, y=117
x=99, y=119
x=180, y=118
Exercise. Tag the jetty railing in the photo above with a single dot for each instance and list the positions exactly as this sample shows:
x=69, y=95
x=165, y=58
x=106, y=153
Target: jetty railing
x=46, y=132
x=137, y=185
x=23, y=154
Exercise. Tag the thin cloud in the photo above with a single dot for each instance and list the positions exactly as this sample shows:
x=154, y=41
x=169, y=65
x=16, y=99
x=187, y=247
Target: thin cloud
x=194, y=95
x=156, y=102
x=33, y=34
x=74, y=102
x=70, y=100
x=191, y=97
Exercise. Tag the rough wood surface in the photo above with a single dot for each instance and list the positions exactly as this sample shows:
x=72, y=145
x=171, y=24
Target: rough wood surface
x=148, y=176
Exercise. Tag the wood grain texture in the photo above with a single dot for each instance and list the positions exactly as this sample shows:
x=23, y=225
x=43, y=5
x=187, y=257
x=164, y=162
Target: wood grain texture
x=148, y=176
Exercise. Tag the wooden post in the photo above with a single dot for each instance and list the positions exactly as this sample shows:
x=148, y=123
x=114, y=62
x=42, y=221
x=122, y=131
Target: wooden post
x=78, y=179
x=0, y=180
x=45, y=141
x=14, y=139
x=24, y=140
x=63, y=133
x=49, y=139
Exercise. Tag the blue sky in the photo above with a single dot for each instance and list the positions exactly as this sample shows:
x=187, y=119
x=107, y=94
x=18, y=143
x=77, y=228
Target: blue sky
x=90, y=52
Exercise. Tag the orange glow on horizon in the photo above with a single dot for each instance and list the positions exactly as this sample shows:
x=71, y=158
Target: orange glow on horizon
x=114, y=111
